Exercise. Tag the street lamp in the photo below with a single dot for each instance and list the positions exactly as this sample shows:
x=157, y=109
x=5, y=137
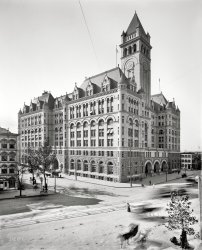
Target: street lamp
x=55, y=184
x=130, y=145
x=75, y=171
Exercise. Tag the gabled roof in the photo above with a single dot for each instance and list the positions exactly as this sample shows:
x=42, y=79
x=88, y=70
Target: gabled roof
x=3, y=130
x=159, y=98
x=134, y=24
x=6, y=132
x=114, y=74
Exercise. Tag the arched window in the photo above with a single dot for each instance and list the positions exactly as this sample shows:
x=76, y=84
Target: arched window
x=93, y=166
x=78, y=164
x=72, y=164
x=72, y=126
x=101, y=123
x=93, y=124
x=78, y=125
x=110, y=121
x=134, y=48
x=85, y=125
x=130, y=121
x=85, y=165
x=110, y=168
x=101, y=167
x=4, y=156
x=125, y=52
x=129, y=50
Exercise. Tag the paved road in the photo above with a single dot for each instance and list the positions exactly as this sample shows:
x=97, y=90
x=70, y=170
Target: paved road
x=40, y=215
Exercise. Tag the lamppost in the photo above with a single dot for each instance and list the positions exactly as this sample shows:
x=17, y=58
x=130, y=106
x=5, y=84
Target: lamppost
x=55, y=184
x=131, y=140
x=75, y=171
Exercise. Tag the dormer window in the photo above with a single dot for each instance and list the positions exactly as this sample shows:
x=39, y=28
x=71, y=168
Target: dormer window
x=89, y=89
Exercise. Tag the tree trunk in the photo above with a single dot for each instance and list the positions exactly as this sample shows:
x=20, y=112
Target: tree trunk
x=183, y=239
x=45, y=184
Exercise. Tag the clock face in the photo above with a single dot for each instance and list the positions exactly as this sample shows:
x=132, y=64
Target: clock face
x=130, y=65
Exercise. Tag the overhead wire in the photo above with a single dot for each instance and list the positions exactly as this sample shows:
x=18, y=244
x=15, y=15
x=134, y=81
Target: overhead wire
x=88, y=30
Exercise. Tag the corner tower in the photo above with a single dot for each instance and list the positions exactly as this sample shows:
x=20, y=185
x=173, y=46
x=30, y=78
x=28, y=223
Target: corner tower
x=135, y=56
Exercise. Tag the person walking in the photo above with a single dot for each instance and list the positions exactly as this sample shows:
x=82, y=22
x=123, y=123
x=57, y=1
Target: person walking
x=128, y=208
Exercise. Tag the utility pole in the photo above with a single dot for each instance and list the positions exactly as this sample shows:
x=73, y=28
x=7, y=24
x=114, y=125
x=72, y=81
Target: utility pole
x=130, y=166
x=55, y=184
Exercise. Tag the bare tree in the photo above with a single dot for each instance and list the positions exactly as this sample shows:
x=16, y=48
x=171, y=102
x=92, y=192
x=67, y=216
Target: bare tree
x=42, y=159
x=20, y=169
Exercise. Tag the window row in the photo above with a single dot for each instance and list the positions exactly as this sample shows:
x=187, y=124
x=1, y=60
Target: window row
x=92, y=166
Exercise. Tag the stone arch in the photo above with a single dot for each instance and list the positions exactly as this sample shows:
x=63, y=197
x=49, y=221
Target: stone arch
x=78, y=164
x=92, y=123
x=101, y=122
x=110, y=168
x=85, y=165
x=55, y=164
x=78, y=125
x=157, y=167
x=164, y=166
x=148, y=167
x=85, y=124
x=101, y=167
x=93, y=166
x=110, y=116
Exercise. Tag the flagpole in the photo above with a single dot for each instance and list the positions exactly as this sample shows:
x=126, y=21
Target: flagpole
x=116, y=55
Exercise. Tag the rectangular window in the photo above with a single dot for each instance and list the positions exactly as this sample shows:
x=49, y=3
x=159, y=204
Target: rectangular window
x=4, y=170
x=93, y=133
x=101, y=142
x=101, y=132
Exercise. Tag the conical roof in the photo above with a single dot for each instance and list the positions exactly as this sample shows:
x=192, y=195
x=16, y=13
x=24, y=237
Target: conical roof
x=123, y=79
x=135, y=23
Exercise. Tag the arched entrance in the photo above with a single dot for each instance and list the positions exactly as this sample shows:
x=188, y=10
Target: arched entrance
x=148, y=168
x=164, y=166
x=55, y=164
x=156, y=167
x=110, y=168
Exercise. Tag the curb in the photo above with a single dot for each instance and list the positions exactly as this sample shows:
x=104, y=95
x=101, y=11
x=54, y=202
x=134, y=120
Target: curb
x=24, y=196
x=137, y=185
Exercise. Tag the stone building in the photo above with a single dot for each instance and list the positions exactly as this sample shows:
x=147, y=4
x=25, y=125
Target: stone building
x=8, y=159
x=110, y=127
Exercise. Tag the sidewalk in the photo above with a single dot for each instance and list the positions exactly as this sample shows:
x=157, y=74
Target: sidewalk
x=157, y=179
x=28, y=192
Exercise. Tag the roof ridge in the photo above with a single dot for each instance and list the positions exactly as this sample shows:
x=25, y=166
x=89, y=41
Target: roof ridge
x=101, y=73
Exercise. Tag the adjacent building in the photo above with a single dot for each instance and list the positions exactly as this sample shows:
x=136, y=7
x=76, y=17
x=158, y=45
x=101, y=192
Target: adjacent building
x=110, y=127
x=191, y=160
x=8, y=159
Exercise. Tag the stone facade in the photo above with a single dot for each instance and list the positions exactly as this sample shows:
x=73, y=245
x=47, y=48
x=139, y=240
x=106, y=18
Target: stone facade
x=8, y=159
x=110, y=127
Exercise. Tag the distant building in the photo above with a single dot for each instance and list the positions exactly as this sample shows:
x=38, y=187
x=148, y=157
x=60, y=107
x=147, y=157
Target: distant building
x=191, y=160
x=111, y=127
x=8, y=159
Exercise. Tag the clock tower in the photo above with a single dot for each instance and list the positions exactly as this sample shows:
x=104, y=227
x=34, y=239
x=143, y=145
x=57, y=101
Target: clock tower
x=135, y=56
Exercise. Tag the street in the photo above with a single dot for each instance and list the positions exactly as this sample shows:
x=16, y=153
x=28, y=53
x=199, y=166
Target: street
x=80, y=216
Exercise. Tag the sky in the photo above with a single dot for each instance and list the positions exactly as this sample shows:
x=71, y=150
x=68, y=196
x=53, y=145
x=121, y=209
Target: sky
x=45, y=45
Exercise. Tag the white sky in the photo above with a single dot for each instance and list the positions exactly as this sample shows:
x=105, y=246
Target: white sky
x=44, y=45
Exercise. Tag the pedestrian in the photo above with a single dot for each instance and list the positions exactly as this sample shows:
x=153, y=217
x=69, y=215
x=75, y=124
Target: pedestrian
x=128, y=208
x=149, y=182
